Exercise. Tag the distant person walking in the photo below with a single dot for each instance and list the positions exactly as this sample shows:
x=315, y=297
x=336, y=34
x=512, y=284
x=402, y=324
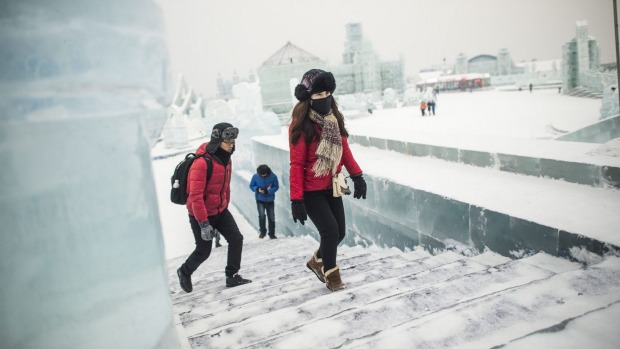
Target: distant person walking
x=264, y=184
x=531, y=87
x=207, y=205
x=370, y=106
x=318, y=150
x=431, y=107
x=423, y=107
x=428, y=107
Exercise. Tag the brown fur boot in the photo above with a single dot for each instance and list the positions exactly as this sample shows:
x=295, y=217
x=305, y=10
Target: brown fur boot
x=316, y=265
x=332, y=279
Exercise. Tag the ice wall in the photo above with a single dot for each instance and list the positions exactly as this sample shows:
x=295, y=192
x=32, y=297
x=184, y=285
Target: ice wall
x=83, y=90
x=406, y=217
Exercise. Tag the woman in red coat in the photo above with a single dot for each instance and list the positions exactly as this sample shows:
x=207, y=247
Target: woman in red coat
x=318, y=150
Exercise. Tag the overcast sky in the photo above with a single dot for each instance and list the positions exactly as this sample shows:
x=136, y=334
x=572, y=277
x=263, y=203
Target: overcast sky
x=210, y=37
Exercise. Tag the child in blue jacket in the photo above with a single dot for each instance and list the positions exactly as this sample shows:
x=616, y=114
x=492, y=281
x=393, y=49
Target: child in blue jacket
x=264, y=184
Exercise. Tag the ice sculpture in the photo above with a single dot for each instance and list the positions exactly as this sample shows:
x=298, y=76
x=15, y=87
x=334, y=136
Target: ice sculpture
x=390, y=99
x=185, y=117
x=609, y=106
x=85, y=86
x=175, y=133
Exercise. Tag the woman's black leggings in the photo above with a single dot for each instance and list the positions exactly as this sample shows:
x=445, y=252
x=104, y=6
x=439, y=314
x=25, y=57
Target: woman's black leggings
x=327, y=214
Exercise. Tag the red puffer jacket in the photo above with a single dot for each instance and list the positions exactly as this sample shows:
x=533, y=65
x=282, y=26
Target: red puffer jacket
x=208, y=199
x=303, y=156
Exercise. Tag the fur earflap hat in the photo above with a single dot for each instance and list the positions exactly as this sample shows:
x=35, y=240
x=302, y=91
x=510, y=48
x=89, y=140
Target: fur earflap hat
x=314, y=81
x=221, y=131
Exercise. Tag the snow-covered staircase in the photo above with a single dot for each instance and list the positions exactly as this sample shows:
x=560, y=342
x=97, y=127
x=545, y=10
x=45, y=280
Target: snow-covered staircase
x=585, y=92
x=393, y=299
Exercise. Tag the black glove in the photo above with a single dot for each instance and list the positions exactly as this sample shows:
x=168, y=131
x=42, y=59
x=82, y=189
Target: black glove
x=298, y=209
x=360, y=187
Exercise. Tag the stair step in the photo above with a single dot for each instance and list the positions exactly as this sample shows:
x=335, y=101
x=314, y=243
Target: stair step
x=392, y=299
x=579, y=332
x=256, y=260
x=363, y=289
x=428, y=293
x=512, y=314
x=273, y=294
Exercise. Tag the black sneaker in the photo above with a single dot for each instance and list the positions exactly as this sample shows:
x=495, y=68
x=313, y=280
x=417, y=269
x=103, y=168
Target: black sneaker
x=185, y=281
x=272, y=237
x=236, y=280
x=261, y=236
x=217, y=244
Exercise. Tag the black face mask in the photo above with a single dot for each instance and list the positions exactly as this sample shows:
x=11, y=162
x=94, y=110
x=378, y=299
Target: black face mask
x=323, y=105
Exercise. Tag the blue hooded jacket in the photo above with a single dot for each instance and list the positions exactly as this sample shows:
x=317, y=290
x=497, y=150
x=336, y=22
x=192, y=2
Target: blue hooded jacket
x=269, y=184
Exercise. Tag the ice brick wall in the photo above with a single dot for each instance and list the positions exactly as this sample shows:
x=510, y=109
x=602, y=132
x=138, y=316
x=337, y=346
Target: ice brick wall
x=534, y=165
x=396, y=215
x=84, y=89
x=600, y=132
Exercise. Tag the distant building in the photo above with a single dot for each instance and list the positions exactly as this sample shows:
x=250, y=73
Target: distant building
x=275, y=74
x=483, y=64
x=499, y=65
x=470, y=74
x=497, y=70
x=460, y=67
x=457, y=82
x=505, y=64
x=580, y=60
x=362, y=70
x=585, y=76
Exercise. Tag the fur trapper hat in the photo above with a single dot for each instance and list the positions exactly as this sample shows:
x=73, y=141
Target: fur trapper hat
x=221, y=131
x=314, y=81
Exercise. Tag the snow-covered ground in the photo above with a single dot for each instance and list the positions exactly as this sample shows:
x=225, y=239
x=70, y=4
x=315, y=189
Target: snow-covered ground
x=488, y=114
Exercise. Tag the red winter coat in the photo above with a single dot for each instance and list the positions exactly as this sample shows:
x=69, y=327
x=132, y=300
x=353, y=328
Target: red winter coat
x=208, y=199
x=303, y=156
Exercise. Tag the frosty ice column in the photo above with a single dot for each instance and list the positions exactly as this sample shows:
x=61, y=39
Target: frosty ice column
x=83, y=85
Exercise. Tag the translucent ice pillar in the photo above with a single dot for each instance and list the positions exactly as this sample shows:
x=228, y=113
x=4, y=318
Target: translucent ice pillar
x=83, y=90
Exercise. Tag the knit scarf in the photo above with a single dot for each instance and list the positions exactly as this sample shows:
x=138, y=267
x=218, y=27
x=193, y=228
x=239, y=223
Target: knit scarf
x=329, y=150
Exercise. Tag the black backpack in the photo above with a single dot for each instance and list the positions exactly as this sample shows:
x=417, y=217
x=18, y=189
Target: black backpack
x=178, y=181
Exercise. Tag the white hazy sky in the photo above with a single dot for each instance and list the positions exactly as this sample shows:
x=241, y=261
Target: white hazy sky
x=210, y=37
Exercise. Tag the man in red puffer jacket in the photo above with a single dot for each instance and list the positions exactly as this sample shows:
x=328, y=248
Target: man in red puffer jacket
x=207, y=205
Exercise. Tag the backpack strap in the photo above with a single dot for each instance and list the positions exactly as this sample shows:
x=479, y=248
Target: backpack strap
x=209, y=166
